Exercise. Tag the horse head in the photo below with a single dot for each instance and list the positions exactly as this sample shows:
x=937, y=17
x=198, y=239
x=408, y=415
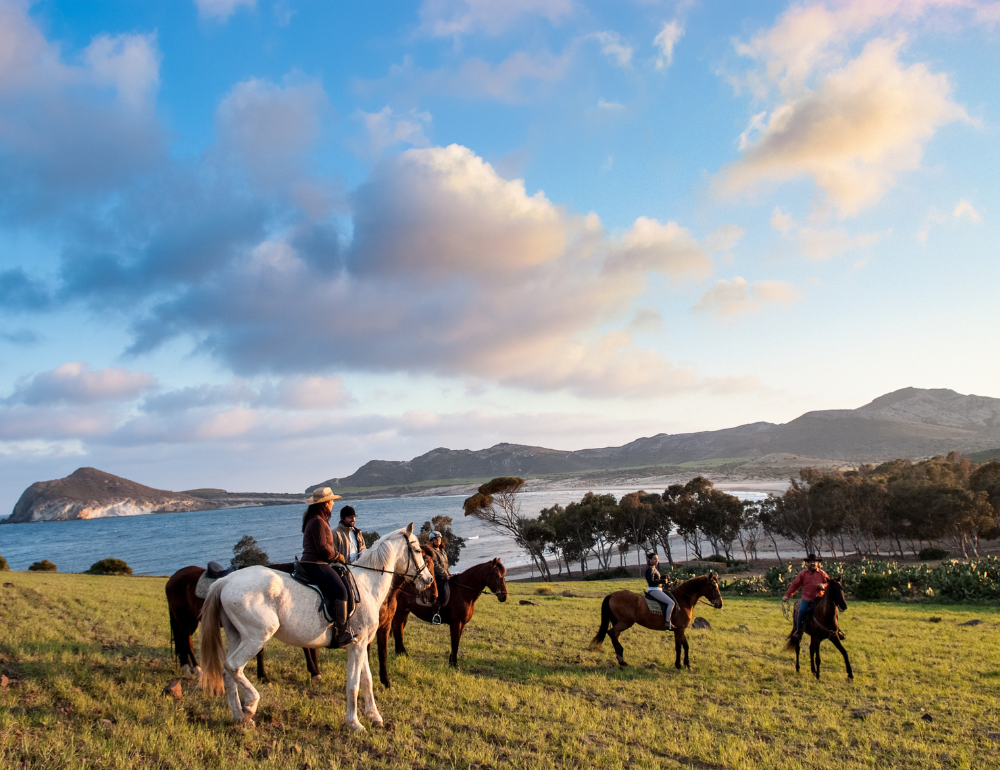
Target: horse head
x=495, y=581
x=416, y=565
x=835, y=590
x=710, y=590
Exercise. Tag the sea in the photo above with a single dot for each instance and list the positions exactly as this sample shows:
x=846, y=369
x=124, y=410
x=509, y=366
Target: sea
x=160, y=544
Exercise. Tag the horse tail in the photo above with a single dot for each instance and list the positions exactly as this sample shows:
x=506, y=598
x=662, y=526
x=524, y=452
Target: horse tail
x=791, y=643
x=607, y=619
x=212, y=654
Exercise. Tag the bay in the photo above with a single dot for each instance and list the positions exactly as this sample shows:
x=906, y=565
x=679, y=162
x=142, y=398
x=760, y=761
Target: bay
x=160, y=544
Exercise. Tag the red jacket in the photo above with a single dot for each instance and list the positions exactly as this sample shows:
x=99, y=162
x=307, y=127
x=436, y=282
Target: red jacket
x=812, y=584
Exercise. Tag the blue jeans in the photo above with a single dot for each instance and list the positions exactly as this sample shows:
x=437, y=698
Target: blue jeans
x=804, y=606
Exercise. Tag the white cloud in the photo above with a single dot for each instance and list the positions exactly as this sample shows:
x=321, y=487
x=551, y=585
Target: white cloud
x=453, y=18
x=737, y=298
x=820, y=244
x=77, y=383
x=724, y=238
x=613, y=47
x=221, y=10
x=965, y=210
x=613, y=106
x=652, y=247
x=669, y=35
x=864, y=125
x=386, y=129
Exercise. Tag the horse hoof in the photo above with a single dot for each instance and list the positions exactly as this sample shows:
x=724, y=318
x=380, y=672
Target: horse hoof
x=357, y=727
x=317, y=678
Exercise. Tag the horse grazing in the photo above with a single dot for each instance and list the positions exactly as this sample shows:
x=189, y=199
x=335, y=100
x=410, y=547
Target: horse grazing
x=623, y=609
x=466, y=587
x=256, y=603
x=822, y=624
x=185, y=606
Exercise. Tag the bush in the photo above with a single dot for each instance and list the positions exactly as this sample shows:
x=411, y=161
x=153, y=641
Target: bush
x=544, y=591
x=751, y=586
x=717, y=558
x=609, y=574
x=42, y=566
x=109, y=567
x=933, y=554
x=4, y=566
x=246, y=553
x=871, y=588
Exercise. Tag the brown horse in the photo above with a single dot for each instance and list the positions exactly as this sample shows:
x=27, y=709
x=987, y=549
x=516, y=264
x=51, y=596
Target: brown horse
x=185, y=612
x=623, y=609
x=822, y=624
x=466, y=587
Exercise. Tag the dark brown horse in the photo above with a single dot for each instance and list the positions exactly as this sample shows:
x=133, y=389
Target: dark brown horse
x=623, y=609
x=822, y=624
x=185, y=612
x=466, y=587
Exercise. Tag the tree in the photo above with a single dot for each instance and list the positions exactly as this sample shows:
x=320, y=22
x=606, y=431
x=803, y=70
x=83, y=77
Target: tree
x=496, y=505
x=453, y=544
x=597, y=514
x=246, y=553
x=572, y=537
x=636, y=519
x=370, y=537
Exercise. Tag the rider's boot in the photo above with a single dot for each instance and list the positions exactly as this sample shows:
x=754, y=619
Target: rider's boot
x=341, y=636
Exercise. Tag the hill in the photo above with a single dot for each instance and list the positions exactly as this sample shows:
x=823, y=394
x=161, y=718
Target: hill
x=910, y=422
x=89, y=493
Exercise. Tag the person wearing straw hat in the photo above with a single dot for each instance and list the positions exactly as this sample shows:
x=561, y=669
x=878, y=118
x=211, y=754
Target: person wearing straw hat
x=812, y=580
x=317, y=552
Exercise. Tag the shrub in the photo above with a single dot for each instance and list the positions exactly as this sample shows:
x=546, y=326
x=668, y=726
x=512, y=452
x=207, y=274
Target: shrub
x=544, y=591
x=109, y=567
x=719, y=559
x=42, y=566
x=751, y=586
x=246, y=553
x=4, y=566
x=872, y=588
x=933, y=554
x=609, y=574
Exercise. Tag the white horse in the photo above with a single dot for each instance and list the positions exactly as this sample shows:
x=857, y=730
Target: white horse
x=256, y=603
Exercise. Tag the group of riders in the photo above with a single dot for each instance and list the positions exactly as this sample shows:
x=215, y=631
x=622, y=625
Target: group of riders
x=325, y=551
x=812, y=580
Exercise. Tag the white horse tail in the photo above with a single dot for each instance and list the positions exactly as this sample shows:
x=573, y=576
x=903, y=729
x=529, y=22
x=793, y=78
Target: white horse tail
x=212, y=654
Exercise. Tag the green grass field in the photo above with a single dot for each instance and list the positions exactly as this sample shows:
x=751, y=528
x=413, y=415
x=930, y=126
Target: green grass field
x=88, y=658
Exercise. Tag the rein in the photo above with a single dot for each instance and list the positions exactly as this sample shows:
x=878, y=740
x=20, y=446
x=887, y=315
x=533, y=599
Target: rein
x=405, y=574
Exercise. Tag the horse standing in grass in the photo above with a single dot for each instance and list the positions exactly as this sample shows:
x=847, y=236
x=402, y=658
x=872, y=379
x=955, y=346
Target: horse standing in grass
x=822, y=624
x=623, y=609
x=466, y=588
x=185, y=606
x=256, y=603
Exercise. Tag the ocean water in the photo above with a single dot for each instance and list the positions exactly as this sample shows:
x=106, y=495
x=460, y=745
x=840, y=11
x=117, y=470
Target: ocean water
x=160, y=544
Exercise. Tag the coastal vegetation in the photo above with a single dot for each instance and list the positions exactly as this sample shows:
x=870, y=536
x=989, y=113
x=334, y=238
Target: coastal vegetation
x=247, y=553
x=90, y=683
x=42, y=566
x=109, y=567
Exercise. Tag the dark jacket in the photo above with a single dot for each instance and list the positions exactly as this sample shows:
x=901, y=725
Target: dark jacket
x=317, y=542
x=653, y=579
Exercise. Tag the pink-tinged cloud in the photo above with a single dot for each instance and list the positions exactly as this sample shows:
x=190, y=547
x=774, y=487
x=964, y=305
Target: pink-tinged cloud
x=77, y=383
x=453, y=18
x=738, y=298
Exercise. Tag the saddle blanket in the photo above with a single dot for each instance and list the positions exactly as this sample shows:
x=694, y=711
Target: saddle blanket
x=654, y=606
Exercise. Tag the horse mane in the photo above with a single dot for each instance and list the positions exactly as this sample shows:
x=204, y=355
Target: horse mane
x=475, y=569
x=378, y=555
x=691, y=583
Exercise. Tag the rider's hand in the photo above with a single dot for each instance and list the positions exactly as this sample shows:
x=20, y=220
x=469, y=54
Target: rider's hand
x=784, y=600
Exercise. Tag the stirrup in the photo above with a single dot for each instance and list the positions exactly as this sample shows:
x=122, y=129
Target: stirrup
x=436, y=620
x=341, y=639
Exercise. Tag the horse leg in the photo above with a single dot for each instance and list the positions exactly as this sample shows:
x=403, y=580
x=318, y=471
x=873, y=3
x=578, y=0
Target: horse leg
x=614, y=633
x=847, y=661
x=814, y=658
x=798, y=644
x=354, y=664
x=232, y=692
x=398, y=624
x=260, y=667
x=382, y=642
x=246, y=639
x=312, y=661
x=368, y=692
x=456, y=637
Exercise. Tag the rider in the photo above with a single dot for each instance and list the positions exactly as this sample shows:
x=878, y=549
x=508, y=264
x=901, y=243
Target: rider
x=812, y=580
x=441, y=575
x=654, y=585
x=347, y=539
x=317, y=553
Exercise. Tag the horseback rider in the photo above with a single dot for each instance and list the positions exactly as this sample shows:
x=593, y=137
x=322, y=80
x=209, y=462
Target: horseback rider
x=318, y=552
x=347, y=539
x=654, y=588
x=812, y=580
x=442, y=573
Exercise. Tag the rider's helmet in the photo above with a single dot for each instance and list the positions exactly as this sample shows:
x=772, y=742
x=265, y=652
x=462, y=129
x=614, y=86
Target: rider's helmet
x=434, y=534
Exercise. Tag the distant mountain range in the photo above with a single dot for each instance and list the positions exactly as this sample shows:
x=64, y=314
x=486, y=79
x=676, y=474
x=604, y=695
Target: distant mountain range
x=88, y=493
x=911, y=423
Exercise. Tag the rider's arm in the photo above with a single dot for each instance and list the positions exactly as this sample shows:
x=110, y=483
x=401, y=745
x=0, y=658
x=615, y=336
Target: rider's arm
x=793, y=587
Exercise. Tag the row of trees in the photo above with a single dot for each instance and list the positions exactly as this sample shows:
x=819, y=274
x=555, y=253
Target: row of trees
x=883, y=510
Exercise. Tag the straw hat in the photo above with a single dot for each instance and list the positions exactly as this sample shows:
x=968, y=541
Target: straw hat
x=323, y=495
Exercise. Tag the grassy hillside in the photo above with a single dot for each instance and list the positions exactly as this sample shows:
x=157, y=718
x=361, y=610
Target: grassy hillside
x=89, y=656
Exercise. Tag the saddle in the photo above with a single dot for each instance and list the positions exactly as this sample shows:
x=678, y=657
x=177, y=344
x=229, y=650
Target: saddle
x=209, y=576
x=300, y=574
x=655, y=605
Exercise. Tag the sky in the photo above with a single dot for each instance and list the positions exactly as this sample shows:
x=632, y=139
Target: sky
x=253, y=244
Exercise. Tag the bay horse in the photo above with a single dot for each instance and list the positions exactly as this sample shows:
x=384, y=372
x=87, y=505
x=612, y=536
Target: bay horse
x=823, y=624
x=185, y=606
x=256, y=604
x=466, y=588
x=623, y=609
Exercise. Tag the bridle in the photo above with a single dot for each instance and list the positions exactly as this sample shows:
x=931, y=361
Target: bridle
x=405, y=574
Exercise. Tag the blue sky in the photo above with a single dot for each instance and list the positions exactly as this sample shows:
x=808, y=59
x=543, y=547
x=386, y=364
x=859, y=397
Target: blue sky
x=255, y=244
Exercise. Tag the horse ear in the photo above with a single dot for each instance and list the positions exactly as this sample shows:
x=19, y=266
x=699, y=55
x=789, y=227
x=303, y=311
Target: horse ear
x=409, y=529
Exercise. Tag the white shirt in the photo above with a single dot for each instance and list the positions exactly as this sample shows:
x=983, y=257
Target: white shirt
x=352, y=546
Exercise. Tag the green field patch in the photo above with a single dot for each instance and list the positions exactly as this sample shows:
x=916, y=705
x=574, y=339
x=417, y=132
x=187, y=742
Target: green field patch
x=87, y=658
